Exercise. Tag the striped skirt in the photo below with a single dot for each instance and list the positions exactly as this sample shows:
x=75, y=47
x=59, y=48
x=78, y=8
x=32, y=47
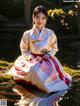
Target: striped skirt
x=47, y=75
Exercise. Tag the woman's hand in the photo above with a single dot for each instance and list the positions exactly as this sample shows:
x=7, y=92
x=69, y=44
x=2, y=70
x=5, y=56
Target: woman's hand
x=46, y=56
x=38, y=58
x=31, y=57
x=28, y=57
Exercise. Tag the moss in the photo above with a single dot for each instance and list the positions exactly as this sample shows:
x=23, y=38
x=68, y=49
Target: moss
x=4, y=64
x=72, y=72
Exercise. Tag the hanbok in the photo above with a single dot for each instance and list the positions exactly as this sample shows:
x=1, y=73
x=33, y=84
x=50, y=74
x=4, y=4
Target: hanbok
x=48, y=74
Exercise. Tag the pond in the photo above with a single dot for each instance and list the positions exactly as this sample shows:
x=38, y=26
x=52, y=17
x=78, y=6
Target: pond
x=19, y=95
x=22, y=95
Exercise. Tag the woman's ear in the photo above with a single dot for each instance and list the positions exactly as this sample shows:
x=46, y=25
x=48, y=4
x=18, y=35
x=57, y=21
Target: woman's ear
x=46, y=21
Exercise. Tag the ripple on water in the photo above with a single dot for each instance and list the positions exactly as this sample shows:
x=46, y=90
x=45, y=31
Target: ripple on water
x=31, y=96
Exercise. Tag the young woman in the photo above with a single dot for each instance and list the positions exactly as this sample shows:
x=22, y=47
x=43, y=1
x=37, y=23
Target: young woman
x=38, y=65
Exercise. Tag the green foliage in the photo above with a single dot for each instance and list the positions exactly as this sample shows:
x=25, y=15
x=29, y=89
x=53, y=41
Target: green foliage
x=65, y=20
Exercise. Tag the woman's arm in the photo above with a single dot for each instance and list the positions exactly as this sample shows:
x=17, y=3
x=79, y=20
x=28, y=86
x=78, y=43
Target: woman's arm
x=53, y=45
x=24, y=46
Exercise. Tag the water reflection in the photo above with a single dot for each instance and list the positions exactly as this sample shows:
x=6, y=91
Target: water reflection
x=7, y=93
x=31, y=96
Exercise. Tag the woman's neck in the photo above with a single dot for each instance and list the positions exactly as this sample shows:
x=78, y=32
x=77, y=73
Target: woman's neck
x=39, y=29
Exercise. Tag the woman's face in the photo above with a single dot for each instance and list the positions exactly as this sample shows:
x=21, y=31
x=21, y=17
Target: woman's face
x=40, y=20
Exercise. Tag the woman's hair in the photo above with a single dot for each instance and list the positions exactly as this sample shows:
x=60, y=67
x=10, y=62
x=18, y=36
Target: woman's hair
x=40, y=9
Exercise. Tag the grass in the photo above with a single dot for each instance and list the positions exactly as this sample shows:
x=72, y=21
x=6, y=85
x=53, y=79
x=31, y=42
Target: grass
x=4, y=64
x=73, y=72
x=4, y=67
x=72, y=98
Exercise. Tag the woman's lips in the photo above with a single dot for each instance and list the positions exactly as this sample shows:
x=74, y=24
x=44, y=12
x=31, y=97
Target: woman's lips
x=39, y=23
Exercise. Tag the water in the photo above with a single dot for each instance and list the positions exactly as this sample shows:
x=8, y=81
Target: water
x=7, y=94
x=19, y=95
x=25, y=95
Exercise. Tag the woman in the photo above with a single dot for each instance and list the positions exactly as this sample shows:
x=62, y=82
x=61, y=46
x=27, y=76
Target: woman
x=38, y=65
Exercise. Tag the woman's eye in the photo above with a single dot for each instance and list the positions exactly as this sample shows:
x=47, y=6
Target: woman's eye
x=37, y=17
x=43, y=18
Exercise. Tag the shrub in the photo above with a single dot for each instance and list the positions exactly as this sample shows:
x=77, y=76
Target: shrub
x=65, y=21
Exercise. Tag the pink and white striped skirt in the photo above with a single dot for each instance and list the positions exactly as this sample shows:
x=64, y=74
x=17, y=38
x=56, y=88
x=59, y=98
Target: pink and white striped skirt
x=47, y=75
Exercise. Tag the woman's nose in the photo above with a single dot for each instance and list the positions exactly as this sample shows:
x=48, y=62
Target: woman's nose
x=40, y=20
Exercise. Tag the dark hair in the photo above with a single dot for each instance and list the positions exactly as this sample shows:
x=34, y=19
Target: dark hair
x=39, y=9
